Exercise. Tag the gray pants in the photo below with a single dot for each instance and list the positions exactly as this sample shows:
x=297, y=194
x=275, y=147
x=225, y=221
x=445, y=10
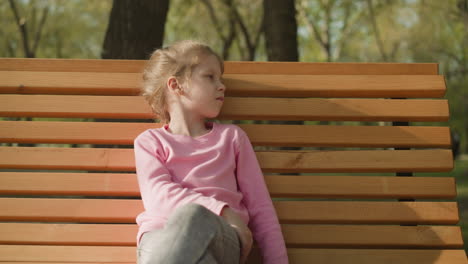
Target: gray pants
x=192, y=234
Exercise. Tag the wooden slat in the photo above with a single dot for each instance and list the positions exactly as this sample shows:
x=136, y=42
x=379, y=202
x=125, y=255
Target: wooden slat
x=29, y=254
x=121, y=107
x=230, y=67
x=438, y=160
x=87, y=184
x=103, y=159
x=127, y=255
x=394, y=86
x=335, y=109
x=348, y=136
x=367, y=187
x=65, y=254
x=67, y=158
x=330, y=212
x=251, y=85
x=42, y=262
x=265, y=135
x=328, y=236
x=79, y=83
x=358, y=236
x=72, y=132
x=365, y=256
x=333, y=68
x=68, y=234
x=125, y=184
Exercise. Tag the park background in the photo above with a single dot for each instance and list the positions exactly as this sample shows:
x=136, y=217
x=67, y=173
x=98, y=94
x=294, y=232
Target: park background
x=401, y=31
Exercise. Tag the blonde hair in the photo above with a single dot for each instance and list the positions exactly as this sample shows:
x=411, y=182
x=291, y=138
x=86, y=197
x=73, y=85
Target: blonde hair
x=177, y=60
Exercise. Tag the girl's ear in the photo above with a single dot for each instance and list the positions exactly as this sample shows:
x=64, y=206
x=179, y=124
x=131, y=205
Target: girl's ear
x=172, y=83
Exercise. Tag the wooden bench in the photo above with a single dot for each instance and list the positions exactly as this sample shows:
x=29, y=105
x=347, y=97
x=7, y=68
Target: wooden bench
x=77, y=203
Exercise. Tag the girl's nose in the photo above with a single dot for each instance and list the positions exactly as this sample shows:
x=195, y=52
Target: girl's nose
x=222, y=86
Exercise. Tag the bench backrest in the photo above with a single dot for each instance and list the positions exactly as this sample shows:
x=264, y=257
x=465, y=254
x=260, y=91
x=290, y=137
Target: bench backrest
x=344, y=194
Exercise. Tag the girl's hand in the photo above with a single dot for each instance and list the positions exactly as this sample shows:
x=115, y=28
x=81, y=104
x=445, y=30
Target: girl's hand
x=242, y=230
x=246, y=242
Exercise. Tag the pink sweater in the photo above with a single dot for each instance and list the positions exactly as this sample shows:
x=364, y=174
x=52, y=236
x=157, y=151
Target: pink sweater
x=173, y=170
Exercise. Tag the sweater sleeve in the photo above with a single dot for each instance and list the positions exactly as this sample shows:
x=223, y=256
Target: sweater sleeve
x=264, y=222
x=160, y=195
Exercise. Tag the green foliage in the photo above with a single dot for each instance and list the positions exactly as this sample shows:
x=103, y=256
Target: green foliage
x=441, y=35
x=191, y=20
x=72, y=28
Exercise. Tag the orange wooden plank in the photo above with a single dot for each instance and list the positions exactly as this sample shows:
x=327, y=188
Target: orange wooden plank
x=430, y=160
x=348, y=136
x=331, y=68
x=64, y=254
x=265, y=135
x=104, y=159
x=392, y=86
x=334, y=212
x=366, y=256
x=125, y=184
x=57, y=183
x=120, y=107
x=67, y=158
x=72, y=65
x=42, y=262
x=26, y=254
x=79, y=83
x=328, y=236
x=231, y=67
x=335, y=109
x=367, y=187
x=125, y=107
x=360, y=236
x=250, y=85
x=72, y=132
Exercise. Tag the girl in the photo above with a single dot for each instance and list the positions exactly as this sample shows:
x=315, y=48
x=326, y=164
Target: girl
x=203, y=191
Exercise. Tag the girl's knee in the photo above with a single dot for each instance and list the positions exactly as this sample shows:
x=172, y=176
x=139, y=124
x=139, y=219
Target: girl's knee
x=191, y=210
x=193, y=214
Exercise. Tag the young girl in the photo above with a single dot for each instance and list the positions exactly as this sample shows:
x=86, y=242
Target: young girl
x=202, y=188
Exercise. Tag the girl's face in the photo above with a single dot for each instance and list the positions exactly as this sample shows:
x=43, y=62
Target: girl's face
x=203, y=87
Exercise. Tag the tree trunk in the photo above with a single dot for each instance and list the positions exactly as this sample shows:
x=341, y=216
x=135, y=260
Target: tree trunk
x=280, y=30
x=135, y=29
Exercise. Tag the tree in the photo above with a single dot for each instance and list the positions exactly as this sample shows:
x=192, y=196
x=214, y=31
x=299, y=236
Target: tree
x=280, y=30
x=30, y=45
x=226, y=38
x=135, y=29
x=70, y=29
x=331, y=23
x=233, y=28
x=236, y=23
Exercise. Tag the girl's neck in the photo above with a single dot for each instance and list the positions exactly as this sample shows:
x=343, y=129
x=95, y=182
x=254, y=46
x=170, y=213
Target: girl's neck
x=192, y=130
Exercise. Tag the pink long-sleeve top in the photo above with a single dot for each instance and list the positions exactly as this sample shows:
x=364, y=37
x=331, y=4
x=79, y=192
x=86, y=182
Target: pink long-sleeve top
x=174, y=170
